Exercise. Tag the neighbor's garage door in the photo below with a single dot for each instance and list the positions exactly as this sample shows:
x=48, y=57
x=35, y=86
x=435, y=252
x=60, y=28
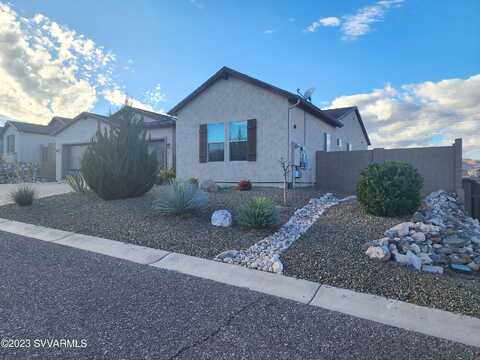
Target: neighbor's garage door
x=71, y=157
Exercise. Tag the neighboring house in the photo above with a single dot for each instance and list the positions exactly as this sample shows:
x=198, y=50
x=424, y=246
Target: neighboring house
x=2, y=129
x=72, y=140
x=24, y=142
x=235, y=127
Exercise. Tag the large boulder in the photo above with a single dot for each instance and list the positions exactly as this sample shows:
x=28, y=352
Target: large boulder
x=222, y=218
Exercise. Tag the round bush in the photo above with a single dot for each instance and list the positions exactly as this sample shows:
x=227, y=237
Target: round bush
x=390, y=189
x=258, y=213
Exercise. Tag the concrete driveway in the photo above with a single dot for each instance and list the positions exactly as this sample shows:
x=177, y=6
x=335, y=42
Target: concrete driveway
x=41, y=190
x=114, y=309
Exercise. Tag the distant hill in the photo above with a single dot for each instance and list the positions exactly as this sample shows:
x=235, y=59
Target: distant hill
x=471, y=167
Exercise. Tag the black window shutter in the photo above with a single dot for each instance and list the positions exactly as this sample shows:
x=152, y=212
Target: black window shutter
x=252, y=140
x=203, y=143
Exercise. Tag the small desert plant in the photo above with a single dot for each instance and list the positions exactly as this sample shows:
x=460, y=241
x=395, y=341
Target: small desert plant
x=180, y=197
x=244, y=185
x=390, y=189
x=118, y=164
x=23, y=195
x=194, y=181
x=76, y=181
x=258, y=213
x=165, y=176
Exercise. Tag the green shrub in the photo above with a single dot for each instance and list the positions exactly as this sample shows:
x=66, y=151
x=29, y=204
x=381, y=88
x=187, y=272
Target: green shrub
x=165, y=176
x=258, y=213
x=244, y=185
x=390, y=189
x=76, y=181
x=180, y=197
x=118, y=163
x=23, y=195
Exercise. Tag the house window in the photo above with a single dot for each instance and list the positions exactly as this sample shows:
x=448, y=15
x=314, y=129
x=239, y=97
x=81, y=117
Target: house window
x=327, y=142
x=216, y=142
x=238, y=140
x=339, y=142
x=349, y=147
x=10, y=144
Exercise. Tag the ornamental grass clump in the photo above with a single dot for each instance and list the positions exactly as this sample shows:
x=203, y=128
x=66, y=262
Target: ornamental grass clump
x=118, y=164
x=76, y=181
x=258, y=213
x=180, y=197
x=23, y=195
x=390, y=189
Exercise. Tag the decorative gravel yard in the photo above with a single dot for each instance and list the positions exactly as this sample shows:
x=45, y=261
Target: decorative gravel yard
x=331, y=253
x=132, y=220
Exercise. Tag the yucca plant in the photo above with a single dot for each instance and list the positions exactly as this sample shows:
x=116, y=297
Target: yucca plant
x=180, y=197
x=258, y=213
x=23, y=195
x=76, y=181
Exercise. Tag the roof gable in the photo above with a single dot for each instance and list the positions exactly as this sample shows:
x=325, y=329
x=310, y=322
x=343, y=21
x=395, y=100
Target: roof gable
x=340, y=113
x=225, y=72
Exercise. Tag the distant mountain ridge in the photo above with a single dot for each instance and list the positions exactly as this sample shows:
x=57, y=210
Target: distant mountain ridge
x=471, y=167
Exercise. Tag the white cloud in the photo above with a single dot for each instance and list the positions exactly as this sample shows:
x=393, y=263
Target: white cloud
x=419, y=114
x=330, y=21
x=269, y=31
x=118, y=98
x=46, y=69
x=360, y=23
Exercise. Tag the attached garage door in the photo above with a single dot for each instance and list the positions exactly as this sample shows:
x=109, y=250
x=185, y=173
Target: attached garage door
x=72, y=157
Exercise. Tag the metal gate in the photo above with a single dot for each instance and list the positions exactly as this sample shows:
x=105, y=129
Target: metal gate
x=471, y=186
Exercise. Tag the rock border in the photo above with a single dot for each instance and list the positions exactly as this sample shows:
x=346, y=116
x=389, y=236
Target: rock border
x=265, y=254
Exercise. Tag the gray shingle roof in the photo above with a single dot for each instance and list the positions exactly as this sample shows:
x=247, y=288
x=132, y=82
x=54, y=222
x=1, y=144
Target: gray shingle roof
x=224, y=72
x=158, y=119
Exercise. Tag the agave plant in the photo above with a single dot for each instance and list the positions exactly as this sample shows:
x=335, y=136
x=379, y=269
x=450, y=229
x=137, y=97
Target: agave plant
x=180, y=197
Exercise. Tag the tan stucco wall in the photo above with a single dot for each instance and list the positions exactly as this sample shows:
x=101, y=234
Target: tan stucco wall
x=309, y=133
x=234, y=100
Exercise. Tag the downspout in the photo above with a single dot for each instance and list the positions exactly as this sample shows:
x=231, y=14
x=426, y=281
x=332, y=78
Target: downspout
x=290, y=107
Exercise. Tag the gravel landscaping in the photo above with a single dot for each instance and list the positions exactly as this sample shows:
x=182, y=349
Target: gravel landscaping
x=331, y=253
x=132, y=220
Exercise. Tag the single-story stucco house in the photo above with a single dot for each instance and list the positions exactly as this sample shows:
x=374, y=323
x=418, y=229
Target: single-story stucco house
x=72, y=140
x=26, y=142
x=235, y=127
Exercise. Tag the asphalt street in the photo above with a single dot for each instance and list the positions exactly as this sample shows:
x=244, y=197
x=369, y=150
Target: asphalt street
x=58, y=302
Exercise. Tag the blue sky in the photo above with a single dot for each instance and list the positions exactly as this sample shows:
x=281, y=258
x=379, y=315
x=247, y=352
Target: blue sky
x=416, y=63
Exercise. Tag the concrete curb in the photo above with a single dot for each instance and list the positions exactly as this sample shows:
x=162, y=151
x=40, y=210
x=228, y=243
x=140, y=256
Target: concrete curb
x=443, y=324
x=268, y=283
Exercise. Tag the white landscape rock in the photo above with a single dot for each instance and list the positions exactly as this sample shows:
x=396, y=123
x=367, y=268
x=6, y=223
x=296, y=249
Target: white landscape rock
x=265, y=255
x=378, y=252
x=222, y=218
